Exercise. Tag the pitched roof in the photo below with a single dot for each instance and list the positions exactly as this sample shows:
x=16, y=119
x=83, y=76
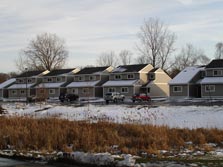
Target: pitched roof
x=92, y=70
x=7, y=83
x=186, y=75
x=30, y=74
x=154, y=70
x=59, y=72
x=129, y=68
x=217, y=63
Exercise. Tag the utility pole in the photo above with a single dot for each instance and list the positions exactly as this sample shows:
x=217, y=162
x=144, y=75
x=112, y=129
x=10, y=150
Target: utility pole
x=26, y=86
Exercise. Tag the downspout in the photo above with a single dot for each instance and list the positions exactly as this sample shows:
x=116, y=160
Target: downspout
x=188, y=90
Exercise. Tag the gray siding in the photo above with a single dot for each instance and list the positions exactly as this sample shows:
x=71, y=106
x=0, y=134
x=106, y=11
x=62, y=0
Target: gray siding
x=18, y=93
x=131, y=90
x=217, y=93
x=184, y=92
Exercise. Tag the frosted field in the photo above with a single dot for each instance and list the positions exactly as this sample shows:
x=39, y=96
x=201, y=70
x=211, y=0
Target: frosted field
x=172, y=116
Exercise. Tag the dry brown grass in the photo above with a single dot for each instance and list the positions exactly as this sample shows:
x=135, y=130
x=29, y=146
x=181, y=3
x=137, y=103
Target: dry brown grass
x=55, y=134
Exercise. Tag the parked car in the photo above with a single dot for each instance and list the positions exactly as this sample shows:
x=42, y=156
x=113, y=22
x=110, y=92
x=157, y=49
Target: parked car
x=141, y=97
x=114, y=96
x=68, y=97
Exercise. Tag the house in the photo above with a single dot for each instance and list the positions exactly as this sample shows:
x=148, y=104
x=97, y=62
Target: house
x=54, y=83
x=212, y=83
x=127, y=79
x=4, y=86
x=25, y=83
x=157, y=85
x=88, y=81
x=186, y=84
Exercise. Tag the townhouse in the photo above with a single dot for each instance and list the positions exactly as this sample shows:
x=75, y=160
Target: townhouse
x=187, y=83
x=4, y=86
x=127, y=79
x=53, y=83
x=157, y=85
x=212, y=83
x=88, y=81
x=25, y=83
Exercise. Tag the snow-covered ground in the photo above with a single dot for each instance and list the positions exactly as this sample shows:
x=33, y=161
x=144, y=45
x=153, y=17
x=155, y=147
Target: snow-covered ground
x=172, y=116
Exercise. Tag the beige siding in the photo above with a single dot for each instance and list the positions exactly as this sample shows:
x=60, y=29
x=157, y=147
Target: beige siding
x=159, y=90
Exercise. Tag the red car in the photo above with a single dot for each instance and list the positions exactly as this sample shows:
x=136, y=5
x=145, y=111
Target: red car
x=140, y=97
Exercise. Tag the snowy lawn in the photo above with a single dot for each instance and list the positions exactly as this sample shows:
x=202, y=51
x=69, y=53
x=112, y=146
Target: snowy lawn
x=172, y=116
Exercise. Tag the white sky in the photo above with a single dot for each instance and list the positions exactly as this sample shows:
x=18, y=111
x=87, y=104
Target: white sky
x=91, y=27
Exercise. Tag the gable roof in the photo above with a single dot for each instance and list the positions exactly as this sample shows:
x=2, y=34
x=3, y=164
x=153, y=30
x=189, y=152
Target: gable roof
x=60, y=72
x=217, y=63
x=7, y=83
x=186, y=75
x=92, y=70
x=154, y=70
x=129, y=68
x=30, y=74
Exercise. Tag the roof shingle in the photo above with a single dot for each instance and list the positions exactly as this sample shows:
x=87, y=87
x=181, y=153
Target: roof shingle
x=217, y=63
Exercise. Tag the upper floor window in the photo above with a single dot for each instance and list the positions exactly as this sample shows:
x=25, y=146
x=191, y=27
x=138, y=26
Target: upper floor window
x=177, y=89
x=49, y=80
x=118, y=77
x=59, y=79
x=22, y=92
x=152, y=76
x=19, y=81
x=80, y=78
x=217, y=72
x=92, y=78
x=29, y=81
x=130, y=76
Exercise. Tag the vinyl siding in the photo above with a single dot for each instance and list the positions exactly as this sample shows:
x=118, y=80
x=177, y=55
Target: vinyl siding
x=218, y=91
x=182, y=94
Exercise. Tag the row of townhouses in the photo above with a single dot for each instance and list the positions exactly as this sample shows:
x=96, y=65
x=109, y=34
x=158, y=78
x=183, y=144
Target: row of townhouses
x=89, y=82
x=199, y=81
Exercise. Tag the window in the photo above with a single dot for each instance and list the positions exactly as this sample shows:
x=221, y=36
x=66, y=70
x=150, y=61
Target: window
x=58, y=79
x=19, y=81
x=111, y=89
x=85, y=90
x=177, y=89
x=124, y=90
x=14, y=92
x=152, y=76
x=80, y=78
x=118, y=77
x=49, y=79
x=52, y=91
x=217, y=73
x=74, y=91
x=209, y=88
x=29, y=81
x=130, y=76
x=92, y=78
x=22, y=92
x=148, y=90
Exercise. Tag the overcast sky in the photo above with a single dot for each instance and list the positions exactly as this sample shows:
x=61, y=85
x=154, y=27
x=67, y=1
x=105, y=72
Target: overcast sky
x=91, y=27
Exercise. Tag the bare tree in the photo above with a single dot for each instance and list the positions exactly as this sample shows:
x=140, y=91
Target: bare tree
x=45, y=52
x=125, y=57
x=107, y=59
x=190, y=56
x=219, y=50
x=156, y=42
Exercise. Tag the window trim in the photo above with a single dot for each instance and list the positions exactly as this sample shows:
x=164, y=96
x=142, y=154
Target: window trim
x=133, y=76
x=209, y=90
x=22, y=92
x=126, y=89
x=114, y=90
x=219, y=72
x=119, y=78
x=177, y=91
x=53, y=91
x=14, y=92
